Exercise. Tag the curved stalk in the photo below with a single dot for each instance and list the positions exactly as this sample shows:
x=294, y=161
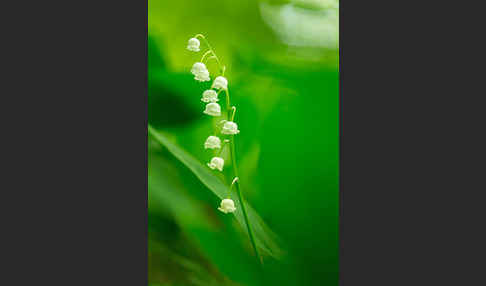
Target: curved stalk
x=211, y=57
x=231, y=187
x=236, y=181
x=221, y=149
x=237, y=185
x=209, y=47
x=202, y=59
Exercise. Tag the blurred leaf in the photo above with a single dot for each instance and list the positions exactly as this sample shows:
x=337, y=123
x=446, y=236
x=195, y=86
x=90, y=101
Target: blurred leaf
x=154, y=57
x=266, y=239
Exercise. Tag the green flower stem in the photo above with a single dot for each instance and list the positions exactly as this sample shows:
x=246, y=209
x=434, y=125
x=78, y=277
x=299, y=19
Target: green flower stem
x=217, y=126
x=233, y=161
x=224, y=144
x=202, y=59
x=211, y=57
x=233, y=113
x=209, y=47
x=237, y=184
x=231, y=187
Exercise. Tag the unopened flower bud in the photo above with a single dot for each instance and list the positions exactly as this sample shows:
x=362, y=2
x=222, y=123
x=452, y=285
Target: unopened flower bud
x=216, y=163
x=213, y=109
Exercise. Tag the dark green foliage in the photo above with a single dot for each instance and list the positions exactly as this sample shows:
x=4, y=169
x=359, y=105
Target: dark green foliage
x=287, y=153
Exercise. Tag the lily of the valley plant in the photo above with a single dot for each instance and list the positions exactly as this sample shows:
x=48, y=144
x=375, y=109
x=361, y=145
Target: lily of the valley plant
x=229, y=128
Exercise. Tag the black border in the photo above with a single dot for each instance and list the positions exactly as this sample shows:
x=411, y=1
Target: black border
x=75, y=195
x=410, y=145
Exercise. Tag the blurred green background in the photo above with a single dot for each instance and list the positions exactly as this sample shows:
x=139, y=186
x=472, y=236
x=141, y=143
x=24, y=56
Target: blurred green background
x=282, y=64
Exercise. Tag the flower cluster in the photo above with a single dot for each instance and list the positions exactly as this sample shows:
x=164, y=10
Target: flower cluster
x=210, y=97
x=200, y=72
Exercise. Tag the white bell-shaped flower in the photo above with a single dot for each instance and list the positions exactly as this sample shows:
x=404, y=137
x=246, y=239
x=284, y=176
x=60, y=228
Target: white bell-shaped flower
x=203, y=76
x=210, y=96
x=200, y=72
x=198, y=67
x=193, y=45
x=213, y=109
x=230, y=128
x=216, y=163
x=227, y=206
x=220, y=82
x=212, y=142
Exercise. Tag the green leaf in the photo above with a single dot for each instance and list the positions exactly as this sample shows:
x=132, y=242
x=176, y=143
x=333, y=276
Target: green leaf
x=265, y=238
